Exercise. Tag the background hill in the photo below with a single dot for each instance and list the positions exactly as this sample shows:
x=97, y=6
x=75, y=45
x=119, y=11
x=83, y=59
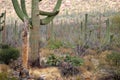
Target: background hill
x=70, y=6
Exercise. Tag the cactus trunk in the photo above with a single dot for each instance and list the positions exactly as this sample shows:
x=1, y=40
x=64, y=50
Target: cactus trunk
x=107, y=31
x=35, y=35
x=85, y=28
x=25, y=44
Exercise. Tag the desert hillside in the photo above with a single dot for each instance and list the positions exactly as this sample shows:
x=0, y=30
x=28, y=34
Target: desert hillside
x=68, y=5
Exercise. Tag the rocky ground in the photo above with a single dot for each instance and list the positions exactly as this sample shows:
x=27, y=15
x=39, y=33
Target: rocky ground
x=93, y=69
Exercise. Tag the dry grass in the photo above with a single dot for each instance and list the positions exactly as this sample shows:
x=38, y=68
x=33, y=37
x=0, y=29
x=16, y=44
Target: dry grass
x=51, y=73
x=4, y=68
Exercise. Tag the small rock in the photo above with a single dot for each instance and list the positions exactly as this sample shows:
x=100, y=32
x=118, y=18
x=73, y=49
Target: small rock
x=24, y=73
x=95, y=62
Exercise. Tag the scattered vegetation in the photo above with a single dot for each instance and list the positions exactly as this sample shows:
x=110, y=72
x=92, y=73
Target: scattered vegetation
x=68, y=69
x=5, y=76
x=114, y=62
x=54, y=44
x=67, y=64
x=73, y=60
x=8, y=53
x=114, y=58
x=54, y=60
x=116, y=20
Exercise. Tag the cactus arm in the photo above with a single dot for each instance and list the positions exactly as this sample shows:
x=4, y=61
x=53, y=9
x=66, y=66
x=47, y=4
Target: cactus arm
x=50, y=18
x=59, y=2
x=2, y=22
x=18, y=10
x=81, y=27
x=85, y=27
x=48, y=13
x=1, y=29
x=23, y=7
x=2, y=14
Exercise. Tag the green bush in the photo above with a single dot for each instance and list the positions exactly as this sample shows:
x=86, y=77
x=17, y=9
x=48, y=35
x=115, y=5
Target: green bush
x=4, y=46
x=67, y=69
x=54, y=60
x=68, y=45
x=116, y=19
x=8, y=53
x=67, y=64
x=116, y=22
x=54, y=44
x=75, y=61
x=5, y=76
x=114, y=61
x=114, y=58
x=116, y=41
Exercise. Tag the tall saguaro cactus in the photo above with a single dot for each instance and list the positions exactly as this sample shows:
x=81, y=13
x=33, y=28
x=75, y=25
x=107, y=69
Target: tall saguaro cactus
x=2, y=25
x=107, y=31
x=35, y=22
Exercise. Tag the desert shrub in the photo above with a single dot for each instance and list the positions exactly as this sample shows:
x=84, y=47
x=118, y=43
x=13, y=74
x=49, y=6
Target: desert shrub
x=110, y=77
x=114, y=61
x=75, y=61
x=68, y=69
x=116, y=41
x=114, y=58
x=53, y=60
x=5, y=76
x=8, y=53
x=68, y=44
x=67, y=64
x=54, y=44
x=4, y=46
x=116, y=18
x=116, y=21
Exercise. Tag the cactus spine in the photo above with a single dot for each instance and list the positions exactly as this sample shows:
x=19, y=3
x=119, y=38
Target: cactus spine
x=35, y=22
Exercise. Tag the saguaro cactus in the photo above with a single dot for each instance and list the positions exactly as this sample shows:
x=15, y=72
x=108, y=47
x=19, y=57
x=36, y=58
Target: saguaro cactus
x=35, y=22
x=2, y=25
x=25, y=44
x=85, y=28
x=107, y=31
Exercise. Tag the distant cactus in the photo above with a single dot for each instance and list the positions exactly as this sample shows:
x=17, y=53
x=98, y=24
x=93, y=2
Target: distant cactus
x=35, y=22
x=116, y=20
x=85, y=29
x=108, y=30
x=81, y=26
